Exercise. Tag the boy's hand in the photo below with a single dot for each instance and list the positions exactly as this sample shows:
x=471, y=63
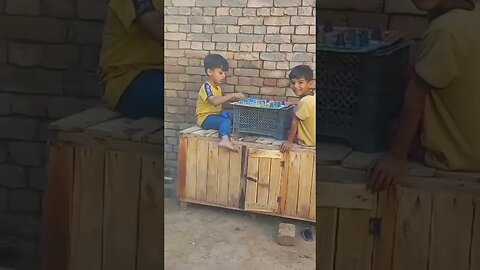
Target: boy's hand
x=238, y=95
x=286, y=146
x=385, y=173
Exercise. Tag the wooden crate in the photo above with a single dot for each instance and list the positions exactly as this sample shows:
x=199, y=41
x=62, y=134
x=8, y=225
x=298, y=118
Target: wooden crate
x=429, y=221
x=256, y=178
x=103, y=208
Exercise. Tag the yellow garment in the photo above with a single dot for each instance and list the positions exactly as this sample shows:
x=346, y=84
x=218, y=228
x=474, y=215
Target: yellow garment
x=127, y=49
x=306, y=112
x=449, y=60
x=204, y=107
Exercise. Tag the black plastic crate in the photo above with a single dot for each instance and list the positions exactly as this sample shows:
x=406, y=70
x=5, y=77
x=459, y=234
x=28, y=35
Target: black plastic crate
x=267, y=122
x=359, y=93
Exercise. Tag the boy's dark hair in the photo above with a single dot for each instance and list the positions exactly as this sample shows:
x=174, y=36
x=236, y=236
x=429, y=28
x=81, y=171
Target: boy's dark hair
x=301, y=71
x=215, y=61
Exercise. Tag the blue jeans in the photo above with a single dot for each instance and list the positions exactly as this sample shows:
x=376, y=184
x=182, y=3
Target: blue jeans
x=218, y=122
x=144, y=96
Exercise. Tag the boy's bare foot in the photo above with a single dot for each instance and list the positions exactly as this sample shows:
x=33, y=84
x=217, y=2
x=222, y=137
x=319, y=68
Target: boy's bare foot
x=226, y=143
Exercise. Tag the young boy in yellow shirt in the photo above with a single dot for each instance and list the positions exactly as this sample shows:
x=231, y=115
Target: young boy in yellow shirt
x=303, y=129
x=210, y=99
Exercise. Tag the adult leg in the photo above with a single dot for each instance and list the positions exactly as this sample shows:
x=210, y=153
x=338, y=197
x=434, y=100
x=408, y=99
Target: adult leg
x=144, y=96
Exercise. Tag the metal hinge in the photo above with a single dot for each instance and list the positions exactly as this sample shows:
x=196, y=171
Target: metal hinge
x=375, y=227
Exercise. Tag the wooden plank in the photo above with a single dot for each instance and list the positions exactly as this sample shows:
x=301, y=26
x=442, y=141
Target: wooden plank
x=451, y=232
x=354, y=243
x=109, y=128
x=340, y=174
x=122, y=192
x=276, y=171
x=468, y=176
x=82, y=120
x=191, y=174
x=305, y=184
x=202, y=170
x=264, y=140
x=326, y=235
x=383, y=245
x=87, y=211
x=412, y=229
x=212, y=178
x=264, y=153
x=150, y=223
x=234, y=177
x=249, y=138
x=214, y=134
x=223, y=175
x=182, y=167
x=359, y=160
x=190, y=130
x=156, y=137
x=313, y=194
x=475, y=249
x=261, y=207
x=332, y=154
x=252, y=179
x=353, y=196
x=148, y=126
x=263, y=184
x=292, y=184
x=278, y=143
x=57, y=204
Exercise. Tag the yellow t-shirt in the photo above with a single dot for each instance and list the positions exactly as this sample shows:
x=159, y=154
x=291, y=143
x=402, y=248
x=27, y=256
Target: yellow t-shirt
x=449, y=60
x=306, y=112
x=204, y=107
x=127, y=49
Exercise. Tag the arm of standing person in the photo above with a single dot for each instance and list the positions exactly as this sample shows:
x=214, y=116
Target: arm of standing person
x=388, y=170
x=287, y=145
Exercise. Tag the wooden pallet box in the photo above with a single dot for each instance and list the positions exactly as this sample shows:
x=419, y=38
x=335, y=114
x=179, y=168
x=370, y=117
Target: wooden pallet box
x=429, y=221
x=103, y=208
x=257, y=177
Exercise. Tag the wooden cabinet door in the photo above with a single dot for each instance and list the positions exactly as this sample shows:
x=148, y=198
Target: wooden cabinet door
x=265, y=171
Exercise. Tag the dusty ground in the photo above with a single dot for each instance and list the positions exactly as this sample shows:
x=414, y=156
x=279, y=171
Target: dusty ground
x=202, y=237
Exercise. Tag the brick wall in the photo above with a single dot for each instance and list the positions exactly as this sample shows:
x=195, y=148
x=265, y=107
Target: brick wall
x=261, y=39
x=49, y=51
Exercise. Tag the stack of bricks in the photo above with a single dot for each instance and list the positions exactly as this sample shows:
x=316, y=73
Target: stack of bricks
x=401, y=15
x=261, y=39
x=49, y=51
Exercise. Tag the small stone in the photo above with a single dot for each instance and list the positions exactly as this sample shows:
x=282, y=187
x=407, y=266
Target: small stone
x=286, y=234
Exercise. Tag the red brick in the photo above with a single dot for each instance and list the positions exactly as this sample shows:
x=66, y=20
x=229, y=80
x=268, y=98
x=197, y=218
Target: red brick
x=196, y=37
x=82, y=84
x=286, y=47
x=38, y=82
x=176, y=19
x=25, y=54
x=414, y=26
x=272, y=56
x=59, y=8
x=209, y=11
x=246, y=72
x=23, y=7
x=174, y=117
x=250, y=21
x=277, y=21
x=249, y=64
x=245, y=81
x=291, y=11
x=283, y=65
x=304, y=39
x=18, y=128
x=232, y=80
x=270, y=65
x=362, y=5
x=225, y=20
x=302, y=20
x=287, y=3
x=246, y=47
x=250, y=56
x=207, y=3
x=260, y=3
x=300, y=47
x=221, y=46
x=250, y=90
x=287, y=30
x=270, y=82
x=199, y=20
x=237, y=12
x=174, y=85
x=274, y=91
x=60, y=56
x=272, y=74
x=305, y=11
x=368, y=20
x=89, y=57
x=257, y=81
x=60, y=107
x=183, y=3
x=84, y=32
x=278, y=39
x=29, y=105
x=402, y=6
x=194, y=70
x=259, y=47
x=92, y=9
x=224, y=38
x=300, y=57
x=35, y=29
x=234, y=3
x=246, y=29
x=174, y=101
x=283, y=83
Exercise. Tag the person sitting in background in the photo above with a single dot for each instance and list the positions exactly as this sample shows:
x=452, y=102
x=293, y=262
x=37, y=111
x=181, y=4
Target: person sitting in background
x=443, y=95
x=303, y=128
x=131, y=59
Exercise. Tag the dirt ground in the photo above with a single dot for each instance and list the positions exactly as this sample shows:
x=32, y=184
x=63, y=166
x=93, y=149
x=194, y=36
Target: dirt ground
x=210, y=238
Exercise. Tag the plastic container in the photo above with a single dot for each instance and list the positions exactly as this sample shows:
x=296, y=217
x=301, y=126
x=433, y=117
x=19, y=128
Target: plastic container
x=359, y=93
